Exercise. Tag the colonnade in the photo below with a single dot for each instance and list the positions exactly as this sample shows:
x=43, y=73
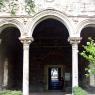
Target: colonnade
x=74, y=41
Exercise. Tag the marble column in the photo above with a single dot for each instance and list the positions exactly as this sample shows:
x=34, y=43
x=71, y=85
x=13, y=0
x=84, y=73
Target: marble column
x=26, y=42
x=74, y=41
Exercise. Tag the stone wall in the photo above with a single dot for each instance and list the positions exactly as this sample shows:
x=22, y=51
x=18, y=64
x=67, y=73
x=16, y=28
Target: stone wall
x=69, y=7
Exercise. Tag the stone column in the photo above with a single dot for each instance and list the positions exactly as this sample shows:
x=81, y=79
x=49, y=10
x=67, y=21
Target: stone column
x=1, y=67
x=1, y=72
x=74, y=41
x=26, y=42
x=5, y=80
x=92, y=80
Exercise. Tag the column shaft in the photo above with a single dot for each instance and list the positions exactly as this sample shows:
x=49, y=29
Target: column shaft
x=74, y=41
x=1, y=72
x=25, y=69
x=74, y=65
x=26, y=42
x=5, y=80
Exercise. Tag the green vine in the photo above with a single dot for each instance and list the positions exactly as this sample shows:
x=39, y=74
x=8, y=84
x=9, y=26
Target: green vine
x=13, y=8
x=1, y=3
x=29, y=6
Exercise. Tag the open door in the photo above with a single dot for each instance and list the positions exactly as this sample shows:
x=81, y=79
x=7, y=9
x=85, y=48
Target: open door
x=54, y=78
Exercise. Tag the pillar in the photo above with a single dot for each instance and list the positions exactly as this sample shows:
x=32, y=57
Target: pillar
x=92, y=80
x=1, y=67
x=74, y=41
x=26, y=42
x=1, y=72
x=5, y=79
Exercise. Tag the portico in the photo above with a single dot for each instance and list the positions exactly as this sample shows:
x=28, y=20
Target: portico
x=74, y=41
x=49, y=41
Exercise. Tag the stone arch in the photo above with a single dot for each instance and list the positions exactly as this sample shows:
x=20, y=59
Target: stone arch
x=45, y=45
x=53, y=14
x=11, y=23
x=10, y=46
x=85, y=23
x=85, y=29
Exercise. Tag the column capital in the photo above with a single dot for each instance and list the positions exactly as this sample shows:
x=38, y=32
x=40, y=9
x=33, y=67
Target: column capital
x=74, y=40
x=26, y=40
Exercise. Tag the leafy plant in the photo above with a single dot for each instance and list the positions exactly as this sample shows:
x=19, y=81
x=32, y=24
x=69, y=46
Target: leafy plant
x=12, y=4
x=89, y=54
x=30, y=5
x=13, y=7
x=79, y=91
x=10, y=92
x=1, y=3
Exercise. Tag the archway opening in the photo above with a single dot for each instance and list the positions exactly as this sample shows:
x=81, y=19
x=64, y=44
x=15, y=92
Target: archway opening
x=50, y=52
x=11, y=58
x=87, y=83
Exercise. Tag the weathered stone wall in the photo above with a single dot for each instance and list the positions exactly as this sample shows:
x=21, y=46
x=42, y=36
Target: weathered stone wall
x=69, y=7
x=74, y=14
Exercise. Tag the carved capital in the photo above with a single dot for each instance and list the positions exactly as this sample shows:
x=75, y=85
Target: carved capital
x=74, y=40
x=26, y=40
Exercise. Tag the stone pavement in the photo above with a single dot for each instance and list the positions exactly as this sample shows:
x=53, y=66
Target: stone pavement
x=48, y=93
x=52, y=93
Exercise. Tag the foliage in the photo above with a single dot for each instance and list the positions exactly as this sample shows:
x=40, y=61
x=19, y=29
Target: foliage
x=1, y=3
x=79, y=91
x=13, y=7
x=30, y=5
x=89, y=54
x=10, y=92
x=12, y=4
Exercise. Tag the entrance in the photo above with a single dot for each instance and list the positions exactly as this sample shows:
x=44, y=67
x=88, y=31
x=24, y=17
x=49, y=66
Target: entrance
x=55, y=81
x=11, y=58
x=49, y=51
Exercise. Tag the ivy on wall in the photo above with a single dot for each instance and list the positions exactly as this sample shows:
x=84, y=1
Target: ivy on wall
x=12, y=5
x=30, y=5
x=1, y=3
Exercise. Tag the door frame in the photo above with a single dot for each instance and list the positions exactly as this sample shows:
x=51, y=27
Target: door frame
x=46, y=73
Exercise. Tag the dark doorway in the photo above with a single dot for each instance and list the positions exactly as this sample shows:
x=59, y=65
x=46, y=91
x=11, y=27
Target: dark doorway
x=11, y=49
x=86, y=82
x=54, y=78
x=50, y=47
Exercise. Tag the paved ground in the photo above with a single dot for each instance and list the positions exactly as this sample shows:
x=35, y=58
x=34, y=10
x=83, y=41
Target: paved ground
x=49, y=93
x=52, y=93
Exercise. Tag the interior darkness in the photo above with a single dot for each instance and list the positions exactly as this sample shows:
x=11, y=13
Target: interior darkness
x=50, y=47
x=11, y=48
x=85, y=34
